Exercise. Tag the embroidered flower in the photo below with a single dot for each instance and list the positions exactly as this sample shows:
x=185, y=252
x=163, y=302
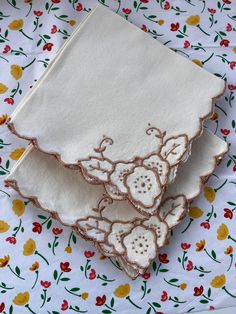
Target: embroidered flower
x=118, y=229
x=140, y=246
x=119, y=173
x=143, y=185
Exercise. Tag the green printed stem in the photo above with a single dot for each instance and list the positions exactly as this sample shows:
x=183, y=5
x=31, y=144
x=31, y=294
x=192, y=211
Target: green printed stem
x=231, y=238
x=5, y=193
x=207, y=297
x=171, y=284
x=144, y=289
x=29, y=9
x=15, y=272
x=53, y=245
x=86, y=268
x=180, y=302
x=107, y=280
x=204, y=6
x=230, y=294
x=132, y=302
x=44, y=297
x=14, y=6
x=23, y=33
x=26, y=66
x=231, y=262
x=221, y=186
x=16, y=90
x=110, y=308
x=37, y=253
x=205, y=61
x=118, y=8
x=28, y=307
x=188, y=225
x=212, y=211
x=202, y=271
x=221, y=109
x=36, y=24
x=18, y=228
x=77, y=295
x=199, y=27
x=59, y=277
x=215, y=260
x=36, y=279
x=76, y=310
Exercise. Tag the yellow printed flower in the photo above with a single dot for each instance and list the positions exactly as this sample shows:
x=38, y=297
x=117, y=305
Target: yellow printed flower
x=29, y=247
x=234, y=49
x=21, y=299
x=218, y=281
x=197, y=62
x=34, y=266
x=84, y=295
x=183, y=286
x=68, y=249
x=193, y=20
x=3, y=88
x=16, y=71
x=209, y=194
x=122, y=291
x=3, y=226
x=195, y=212
x=18, y=206
x=200, y=245
x=229, y=250
x=16, y=154
x=222, y=232
x=3, y=118
x=160, y=22
x=102, y=257
x=72, y=22
x=4, y=261
x=16, y=25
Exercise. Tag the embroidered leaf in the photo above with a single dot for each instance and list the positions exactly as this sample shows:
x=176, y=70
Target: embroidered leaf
x=97, y=168
x=174, y=149
x=94, y=228
x=172, y=210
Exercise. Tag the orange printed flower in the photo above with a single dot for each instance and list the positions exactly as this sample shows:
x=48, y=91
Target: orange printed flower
x=16, y=154
x=3, y=118
x=18, y=206
x=16, y=25
x=209, y=194
x=195, y=212
x=65, y=267
x=200, y=245
x=34, y=266
x=3, y=88
x=122, y=291
x=229, y=250
x=222, y=232
x=4, y=261
x=218, y=281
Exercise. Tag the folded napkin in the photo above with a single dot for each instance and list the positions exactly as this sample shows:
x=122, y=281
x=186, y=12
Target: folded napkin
x=116, y=227
x=119, y=106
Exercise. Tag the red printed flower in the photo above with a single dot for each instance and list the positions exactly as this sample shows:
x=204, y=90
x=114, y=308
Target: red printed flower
x=100, y=300
x=174, y=27
x=2, y=307
x=37, y=227
x=212, y=11
x=38, y=13
x=225, y=42
x=185, y=246
x=126, y=11
x=11, y=240
x=64, y=305
x=48, y=46
x=225, y=131
x=234, y=168
x=205, y=224
x=88, y=254
x=79, y=7
x=189, y=266
x=164, y=296
x=232, y=64
x=231, y=87
x=228, y=213
x=212, y=308
x=227, y=1
x=9, y=101
x=56, y=1
x=45, y=284
x=57, y=231
x=166, y=5
x=6, y=49
x=163, y=258
x=92, y=274
x=144, y=1
x=229, y=27
x=53, y=29
x=146, y=276
x=198, y=291
x=144, y=28
x=65, y=267
x=186, y=44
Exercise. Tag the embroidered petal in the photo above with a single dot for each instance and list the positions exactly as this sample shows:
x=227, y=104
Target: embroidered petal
x=113, y=192
x=140, y=246
x=118, y=229
x=143, y=185
x=93, y=228
x=158, y=164
x=161, y=229
x=174, y=149
x=117, y=176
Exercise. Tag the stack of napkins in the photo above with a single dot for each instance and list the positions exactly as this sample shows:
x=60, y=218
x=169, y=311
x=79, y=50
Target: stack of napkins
x=123, y=115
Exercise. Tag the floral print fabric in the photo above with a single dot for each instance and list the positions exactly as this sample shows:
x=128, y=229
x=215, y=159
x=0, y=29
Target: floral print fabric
x=45, y=267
